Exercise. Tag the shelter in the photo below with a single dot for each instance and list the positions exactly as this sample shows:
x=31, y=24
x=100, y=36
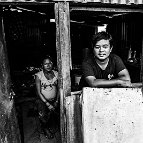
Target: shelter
x=83, y=17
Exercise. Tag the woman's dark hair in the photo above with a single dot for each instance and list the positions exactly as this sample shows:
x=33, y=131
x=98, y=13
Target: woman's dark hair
x=101, y=35
x=47, y=57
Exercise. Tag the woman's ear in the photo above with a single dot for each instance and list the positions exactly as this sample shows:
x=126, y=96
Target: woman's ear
x=111, y=49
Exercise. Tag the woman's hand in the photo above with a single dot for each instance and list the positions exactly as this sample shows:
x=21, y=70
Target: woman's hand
x=50, y=107
x=55, y=103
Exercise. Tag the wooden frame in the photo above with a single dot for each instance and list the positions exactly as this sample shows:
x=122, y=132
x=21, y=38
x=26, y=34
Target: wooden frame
x=65, y=87
x=63, y=58
x=63, y=44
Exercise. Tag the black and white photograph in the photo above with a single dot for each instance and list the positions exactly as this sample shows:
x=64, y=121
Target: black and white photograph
x=71, y=71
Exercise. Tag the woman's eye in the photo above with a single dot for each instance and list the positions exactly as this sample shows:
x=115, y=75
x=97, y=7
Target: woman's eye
x=47, y=64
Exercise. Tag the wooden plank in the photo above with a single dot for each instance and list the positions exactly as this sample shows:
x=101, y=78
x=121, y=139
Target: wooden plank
x=63, y=59
x=105, y=9
x=9, y=130
x=141, y=58
x=112, y=2
x=112, y=115
x=74, y=118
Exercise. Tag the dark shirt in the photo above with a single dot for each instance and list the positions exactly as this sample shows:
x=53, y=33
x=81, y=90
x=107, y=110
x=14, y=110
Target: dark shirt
x=91, y=68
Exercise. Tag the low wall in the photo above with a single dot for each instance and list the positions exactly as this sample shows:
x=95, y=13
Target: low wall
x=73, y=118
x=112, y=115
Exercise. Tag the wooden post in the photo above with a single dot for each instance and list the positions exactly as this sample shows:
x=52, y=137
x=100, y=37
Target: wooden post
x=63, y=60
x=74, y=118
x=141, y=71
x=9, y=131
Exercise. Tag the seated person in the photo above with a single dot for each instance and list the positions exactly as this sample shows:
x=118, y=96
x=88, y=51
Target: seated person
x=103, y=69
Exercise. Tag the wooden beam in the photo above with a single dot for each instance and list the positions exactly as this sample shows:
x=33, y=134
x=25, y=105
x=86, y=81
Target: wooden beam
x=74, y=118
x=105, y=9
x=141, y=71
x=63, y=59
x=119, y=2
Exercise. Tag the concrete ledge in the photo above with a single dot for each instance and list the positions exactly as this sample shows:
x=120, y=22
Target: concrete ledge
x=112, y=115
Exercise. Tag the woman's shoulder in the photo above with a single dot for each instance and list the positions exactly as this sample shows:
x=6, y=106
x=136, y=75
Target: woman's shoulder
x=39, y=74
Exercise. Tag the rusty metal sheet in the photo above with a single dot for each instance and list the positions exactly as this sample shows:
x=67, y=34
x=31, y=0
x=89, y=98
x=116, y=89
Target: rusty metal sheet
x=125, y=2
x=112, y=115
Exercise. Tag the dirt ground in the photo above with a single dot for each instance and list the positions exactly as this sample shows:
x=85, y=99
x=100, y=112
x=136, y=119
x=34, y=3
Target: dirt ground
x=30, y=128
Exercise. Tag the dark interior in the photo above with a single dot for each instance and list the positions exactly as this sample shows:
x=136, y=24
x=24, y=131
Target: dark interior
x=125, y=28
x=30, y=33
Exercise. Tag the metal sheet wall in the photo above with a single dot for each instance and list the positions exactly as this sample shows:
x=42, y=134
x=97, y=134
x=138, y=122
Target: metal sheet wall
x=126, y=2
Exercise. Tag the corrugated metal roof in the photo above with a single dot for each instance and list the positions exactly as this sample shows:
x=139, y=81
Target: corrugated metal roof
x=128, y=2
x=125, y=2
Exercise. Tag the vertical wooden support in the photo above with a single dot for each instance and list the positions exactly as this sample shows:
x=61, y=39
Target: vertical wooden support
x=141, y=71
x=9, y=131
x=74, y=118
x=63, y=60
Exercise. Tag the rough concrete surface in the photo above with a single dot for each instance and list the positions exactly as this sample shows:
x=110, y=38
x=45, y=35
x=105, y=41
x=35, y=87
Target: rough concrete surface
x=113, y=115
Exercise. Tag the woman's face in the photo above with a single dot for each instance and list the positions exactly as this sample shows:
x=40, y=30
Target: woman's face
x=47, y=65
x=102, y=50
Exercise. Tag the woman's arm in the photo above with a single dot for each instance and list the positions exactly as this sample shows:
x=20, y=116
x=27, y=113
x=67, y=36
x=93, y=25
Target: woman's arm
x=58, y=94
x=56, y=83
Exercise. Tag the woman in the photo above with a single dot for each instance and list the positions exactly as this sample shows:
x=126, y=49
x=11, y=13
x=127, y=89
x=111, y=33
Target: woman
x=46, y=84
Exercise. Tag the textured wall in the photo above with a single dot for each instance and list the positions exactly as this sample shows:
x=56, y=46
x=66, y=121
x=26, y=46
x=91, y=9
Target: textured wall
x=128, y=2
x=112, y=115
x=9, y=130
